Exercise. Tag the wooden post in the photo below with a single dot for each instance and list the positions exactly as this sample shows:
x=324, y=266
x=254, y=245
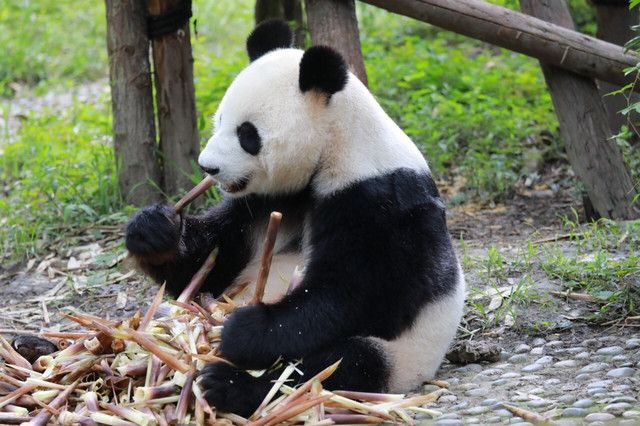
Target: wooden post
x=175, y=100
x=614, y=20
x=334, y=23
x=594, y=157
x=515, y=31
x=131, y=100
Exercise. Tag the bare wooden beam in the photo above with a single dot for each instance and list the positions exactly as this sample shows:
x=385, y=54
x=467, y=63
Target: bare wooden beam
x=334, y=23
x=134, y=133
x=594, y=157
x=553, y=44
x=175, y=99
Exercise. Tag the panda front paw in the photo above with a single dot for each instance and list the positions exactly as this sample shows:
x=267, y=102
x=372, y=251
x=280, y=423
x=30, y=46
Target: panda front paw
x=247, y=338
x=153, y=233
x=232, y=390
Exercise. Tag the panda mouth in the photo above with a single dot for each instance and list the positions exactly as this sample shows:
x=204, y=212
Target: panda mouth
x=234, y=185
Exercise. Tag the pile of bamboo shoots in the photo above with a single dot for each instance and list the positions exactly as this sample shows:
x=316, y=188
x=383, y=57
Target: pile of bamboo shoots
x=144, y=371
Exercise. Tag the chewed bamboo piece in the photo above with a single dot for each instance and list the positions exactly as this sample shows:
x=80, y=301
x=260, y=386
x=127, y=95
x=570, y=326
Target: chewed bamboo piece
x=195, y=192
x=267, y=256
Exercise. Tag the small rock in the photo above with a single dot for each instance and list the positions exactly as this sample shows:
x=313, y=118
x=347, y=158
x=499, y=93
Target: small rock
x=610, y=350
x=536, y=391
x=477, y=392
x=499, y=382
x=538, y=341
x=520, y=398
x=531, y=378
x=537, y=351
x=594, y=367
x=539, y=403
x=582, y=377
x=581, y=403
x=583, y=355
x=494, y=419
x=448, y=422
x=545, y=360
x=552, y=381
x=466, y=386
x=430, y=388
x=596, y=391
x=518, y=359
x=516, y=420
x=521, y=349
x=567, y=399
x=566, y=363
x=621, y=372
x=599, y=417
x=600, y=384
x=489, y=402
x=632, y=344
x=591, y=343
x=555, y=344
x=504, y=413
x=629, y=399
x=468, y=351
x=575, y=350
x=617, y=409
x=474, y=411
x=574, y=412
x=532, y=367
x=471, y=420
x=567, y=422
x=631, y=414
x=510, y=375
x=448, y=398
x=470, y=368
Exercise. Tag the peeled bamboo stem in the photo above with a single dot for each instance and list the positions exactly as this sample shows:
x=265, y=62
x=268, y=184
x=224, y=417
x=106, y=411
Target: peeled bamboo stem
x=267, y=256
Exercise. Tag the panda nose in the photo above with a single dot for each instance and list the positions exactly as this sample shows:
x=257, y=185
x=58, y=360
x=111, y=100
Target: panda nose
x=210, y=171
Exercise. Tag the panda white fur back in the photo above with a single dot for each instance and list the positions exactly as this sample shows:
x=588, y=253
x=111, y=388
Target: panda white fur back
x=381, y=287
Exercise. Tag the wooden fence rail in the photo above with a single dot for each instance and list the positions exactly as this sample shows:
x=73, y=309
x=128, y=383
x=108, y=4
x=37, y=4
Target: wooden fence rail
x=551, y=44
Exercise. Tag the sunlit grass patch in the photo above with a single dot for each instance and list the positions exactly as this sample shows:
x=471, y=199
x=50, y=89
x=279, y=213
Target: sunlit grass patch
x=604, y=265
x=58, y=171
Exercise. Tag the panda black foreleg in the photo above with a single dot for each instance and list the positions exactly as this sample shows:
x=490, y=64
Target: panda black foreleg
x=363, y=367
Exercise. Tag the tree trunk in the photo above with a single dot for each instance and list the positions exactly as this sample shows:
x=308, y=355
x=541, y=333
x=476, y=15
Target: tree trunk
x=134, y=134
x=515, y=31
x=289, y=10
x=334, y=23
x=175, y=100
x=594, y=157
x=614, y=25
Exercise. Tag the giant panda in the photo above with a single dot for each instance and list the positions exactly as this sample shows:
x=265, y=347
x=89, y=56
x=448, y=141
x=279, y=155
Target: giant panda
x=379, y=285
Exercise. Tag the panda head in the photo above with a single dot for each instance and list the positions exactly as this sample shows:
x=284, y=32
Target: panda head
x=274, y=121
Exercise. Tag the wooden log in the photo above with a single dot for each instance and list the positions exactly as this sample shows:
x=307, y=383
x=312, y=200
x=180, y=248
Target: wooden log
x=595, y=158
x=334, y=23
x=134, y=134
x=515, y=31
x=175, y=100
x=614, y=20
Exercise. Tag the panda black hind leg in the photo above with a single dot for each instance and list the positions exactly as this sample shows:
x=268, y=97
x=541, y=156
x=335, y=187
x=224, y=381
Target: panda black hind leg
x=363, y=367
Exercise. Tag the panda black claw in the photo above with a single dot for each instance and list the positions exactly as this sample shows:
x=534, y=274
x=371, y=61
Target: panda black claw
x=232, y=390
x=153, y=230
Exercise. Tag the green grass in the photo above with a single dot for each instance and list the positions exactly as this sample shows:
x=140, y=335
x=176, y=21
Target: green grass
x=58, y=173
x=605, y=265
x=45, y=42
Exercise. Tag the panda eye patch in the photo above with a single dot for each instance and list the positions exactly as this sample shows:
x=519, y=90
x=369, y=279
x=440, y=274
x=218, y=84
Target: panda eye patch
x=249, y=138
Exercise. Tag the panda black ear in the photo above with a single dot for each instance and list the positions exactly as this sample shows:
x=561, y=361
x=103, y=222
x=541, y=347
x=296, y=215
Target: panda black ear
x=267, y=36
x=323, y=69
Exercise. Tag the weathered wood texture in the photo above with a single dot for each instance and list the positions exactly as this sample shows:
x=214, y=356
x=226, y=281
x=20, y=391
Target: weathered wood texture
x=547, y=42
x=175, y=101
x=614, y=25
x=334, y=23
x=583, y=122
x=132, y=103
x=289, y=10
